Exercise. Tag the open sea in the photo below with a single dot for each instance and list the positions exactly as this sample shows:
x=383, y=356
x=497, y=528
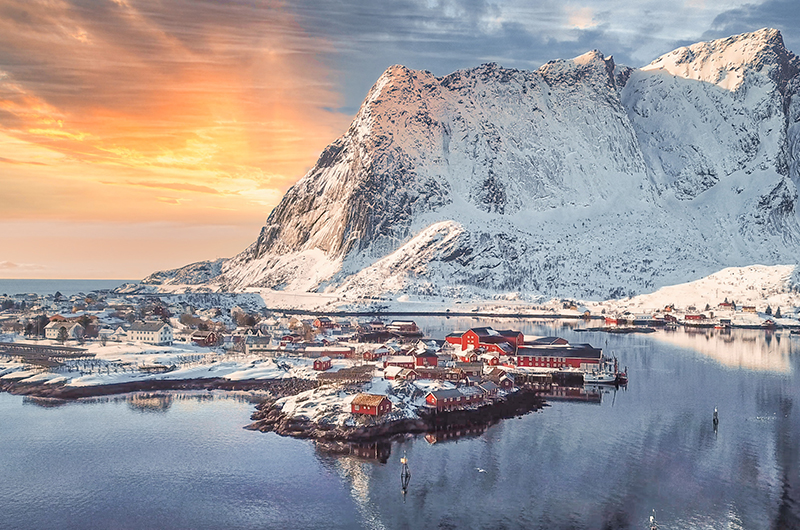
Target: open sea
x=65, y=287
x=600, y=458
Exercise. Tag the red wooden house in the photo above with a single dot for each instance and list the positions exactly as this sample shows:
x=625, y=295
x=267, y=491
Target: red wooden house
x=206, y=338
x=453, y=399
x=506, y=382
x=324, y=323
x=322, y=363
x=694, y=317
x=426, y=358
x=370, y=404
x=468, y=357
x=404, y=361
x=403, y=327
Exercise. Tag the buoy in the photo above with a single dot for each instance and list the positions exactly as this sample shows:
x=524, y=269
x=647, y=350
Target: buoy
x=405, y=474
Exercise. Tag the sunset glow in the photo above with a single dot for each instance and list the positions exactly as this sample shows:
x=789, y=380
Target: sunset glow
x=114, y=120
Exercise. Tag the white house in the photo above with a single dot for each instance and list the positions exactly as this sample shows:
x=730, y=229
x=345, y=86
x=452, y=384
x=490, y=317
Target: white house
x=158, y=333
x=115, y=335
x=74, y=331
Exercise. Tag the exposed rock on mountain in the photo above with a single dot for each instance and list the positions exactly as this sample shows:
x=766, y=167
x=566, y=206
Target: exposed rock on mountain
x=581, y=178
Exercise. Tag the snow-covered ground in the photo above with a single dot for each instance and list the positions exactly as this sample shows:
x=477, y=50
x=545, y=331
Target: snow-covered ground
x=758, y=285
x=331, y=405
x=126, y=362
x=762, y=286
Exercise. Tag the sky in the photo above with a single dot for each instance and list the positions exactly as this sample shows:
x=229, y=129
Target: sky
x=144, y=135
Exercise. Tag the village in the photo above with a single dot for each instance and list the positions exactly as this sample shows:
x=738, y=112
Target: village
x=365, y=372
x=377, y=370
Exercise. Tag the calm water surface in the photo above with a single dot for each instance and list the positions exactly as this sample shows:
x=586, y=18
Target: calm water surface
x=183, y=461
x=65, y=287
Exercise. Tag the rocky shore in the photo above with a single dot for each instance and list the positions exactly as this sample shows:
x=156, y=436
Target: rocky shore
x=269, y=418
x=276, y=387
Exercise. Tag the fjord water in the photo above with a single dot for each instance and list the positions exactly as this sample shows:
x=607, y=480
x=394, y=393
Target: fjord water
x=65, y=287
x=183, y=461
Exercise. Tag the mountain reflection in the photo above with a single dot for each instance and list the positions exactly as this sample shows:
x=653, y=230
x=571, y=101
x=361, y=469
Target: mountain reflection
x=738, y=348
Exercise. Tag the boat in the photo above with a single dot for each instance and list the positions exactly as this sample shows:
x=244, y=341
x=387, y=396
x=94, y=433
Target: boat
x=608, y=374
x=600, y=378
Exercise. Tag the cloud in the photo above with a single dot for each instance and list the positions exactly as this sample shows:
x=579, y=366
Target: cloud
x=779, y=14
x=582, y=18
x=447, y=35
x=4, y=160
x=20, y=267
x=188, y=84
x=176, y=186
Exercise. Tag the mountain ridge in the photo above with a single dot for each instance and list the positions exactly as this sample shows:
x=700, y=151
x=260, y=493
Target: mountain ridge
x=582, y=178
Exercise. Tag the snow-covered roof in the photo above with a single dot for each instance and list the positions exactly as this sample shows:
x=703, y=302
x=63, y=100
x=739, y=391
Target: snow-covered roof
x=369, y=400
x=147, y=326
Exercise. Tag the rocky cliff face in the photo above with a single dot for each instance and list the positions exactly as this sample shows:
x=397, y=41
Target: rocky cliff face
x=581, y=178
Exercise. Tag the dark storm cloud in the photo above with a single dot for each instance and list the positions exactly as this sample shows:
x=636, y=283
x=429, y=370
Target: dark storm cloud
x=783, y=15
x=444, y=36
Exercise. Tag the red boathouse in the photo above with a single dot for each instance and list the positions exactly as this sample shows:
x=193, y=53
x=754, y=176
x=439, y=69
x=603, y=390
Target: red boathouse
x=370, y=404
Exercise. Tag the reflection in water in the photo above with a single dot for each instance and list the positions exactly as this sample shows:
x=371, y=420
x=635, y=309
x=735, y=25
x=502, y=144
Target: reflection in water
x=142, y=402
x=357, y=473
x=455, y=432
x=737, y=348
x=608, y=465
x=377, y=451
x=580, y=394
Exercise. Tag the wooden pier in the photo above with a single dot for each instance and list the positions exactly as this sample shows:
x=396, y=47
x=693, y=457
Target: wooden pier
x=42, y=355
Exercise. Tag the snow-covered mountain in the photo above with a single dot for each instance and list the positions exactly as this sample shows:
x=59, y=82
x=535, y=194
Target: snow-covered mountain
x=582, y=179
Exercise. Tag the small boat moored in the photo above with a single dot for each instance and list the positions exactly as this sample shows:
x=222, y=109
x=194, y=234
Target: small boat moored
x=607, y=374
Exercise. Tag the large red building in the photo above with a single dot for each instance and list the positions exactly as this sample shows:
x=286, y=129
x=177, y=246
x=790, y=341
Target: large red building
x=504, y=342
x=580, y=356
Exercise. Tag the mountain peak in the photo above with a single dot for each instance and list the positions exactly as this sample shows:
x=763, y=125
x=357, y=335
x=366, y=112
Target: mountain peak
x=723, y=62
x=577, y=179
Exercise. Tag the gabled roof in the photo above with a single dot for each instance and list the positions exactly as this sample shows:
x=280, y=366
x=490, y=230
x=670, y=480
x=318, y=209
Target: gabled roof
x=581, y=351
x=484, y=332
x=442, y=394
x=510, y=333
x=549, y=341
x=399, y=359
x=369, y=400
x=489, y=386
x=58, y=324
x=392, y=371
x=147, y=326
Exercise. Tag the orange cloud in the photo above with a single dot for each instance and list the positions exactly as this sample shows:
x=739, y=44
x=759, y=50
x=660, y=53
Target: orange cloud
x=171, y=91
x=582, y=18
x=187, y=111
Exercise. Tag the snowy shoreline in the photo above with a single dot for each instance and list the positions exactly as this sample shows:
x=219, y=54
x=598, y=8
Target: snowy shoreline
x=270, y=417
x=280, y=387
